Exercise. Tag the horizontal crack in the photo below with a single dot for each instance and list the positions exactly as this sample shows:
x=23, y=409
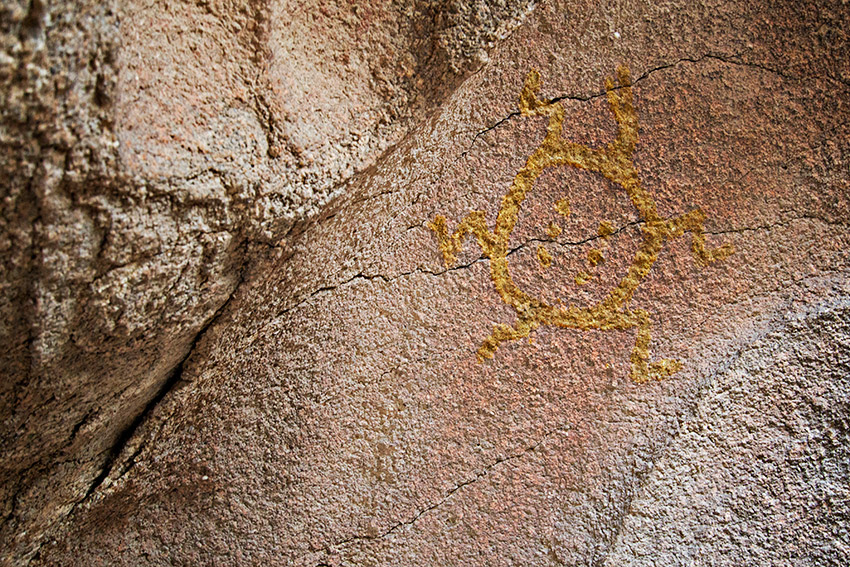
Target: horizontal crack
x=370, y=277
x=784, y=223
x=481, y=258
x=574, y=243
x=734, y=59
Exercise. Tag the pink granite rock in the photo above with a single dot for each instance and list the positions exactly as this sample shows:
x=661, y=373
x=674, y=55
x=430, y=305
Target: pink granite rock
x=332, y=409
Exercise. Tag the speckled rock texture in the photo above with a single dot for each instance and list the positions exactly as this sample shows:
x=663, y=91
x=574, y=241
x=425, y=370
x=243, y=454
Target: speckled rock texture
x=150, y=152
x=234, y=338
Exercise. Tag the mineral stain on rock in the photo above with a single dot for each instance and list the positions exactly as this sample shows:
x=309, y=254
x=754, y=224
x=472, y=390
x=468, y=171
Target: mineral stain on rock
x=616, y=163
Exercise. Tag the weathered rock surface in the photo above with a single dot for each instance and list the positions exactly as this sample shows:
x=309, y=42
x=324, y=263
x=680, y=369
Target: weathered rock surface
x=332, y=409
x=149, y=152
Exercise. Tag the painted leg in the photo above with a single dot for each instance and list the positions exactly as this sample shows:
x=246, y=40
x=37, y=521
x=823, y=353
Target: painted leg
x=450, y=244
x=620, y=100
x=694, y=222
x=642, y=369
x=500, y=334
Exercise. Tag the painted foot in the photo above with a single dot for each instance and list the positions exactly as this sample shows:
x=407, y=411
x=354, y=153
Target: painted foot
x=664, y=368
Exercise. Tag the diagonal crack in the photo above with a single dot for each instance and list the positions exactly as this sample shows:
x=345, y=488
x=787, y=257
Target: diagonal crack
x=734, y=59
x=483, y=472
x=480, y=258
x=124, y=437
x=127, y=434
x=371, y=277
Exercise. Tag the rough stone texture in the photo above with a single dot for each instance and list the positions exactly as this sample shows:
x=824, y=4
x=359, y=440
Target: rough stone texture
x=150, y=151
x=759, y=474
x=332, y=409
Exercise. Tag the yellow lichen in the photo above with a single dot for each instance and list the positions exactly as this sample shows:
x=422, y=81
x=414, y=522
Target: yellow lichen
x=562, y=207
x=583, y=278
x=553, y=230
x=615, y=162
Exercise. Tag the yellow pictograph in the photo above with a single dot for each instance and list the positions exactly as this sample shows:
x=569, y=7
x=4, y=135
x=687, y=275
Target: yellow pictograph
x=615, y=162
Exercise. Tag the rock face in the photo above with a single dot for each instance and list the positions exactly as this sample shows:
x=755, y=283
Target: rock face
x=239, y=329
x=150, y=152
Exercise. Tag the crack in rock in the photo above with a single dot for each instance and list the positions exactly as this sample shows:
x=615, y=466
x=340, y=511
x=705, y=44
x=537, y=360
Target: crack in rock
x=483, y=472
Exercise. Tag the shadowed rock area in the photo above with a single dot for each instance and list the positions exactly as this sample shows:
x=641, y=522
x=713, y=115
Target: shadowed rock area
x=237, y=331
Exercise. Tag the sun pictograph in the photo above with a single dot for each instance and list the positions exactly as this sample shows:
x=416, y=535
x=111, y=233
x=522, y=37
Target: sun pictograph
x=615, y=162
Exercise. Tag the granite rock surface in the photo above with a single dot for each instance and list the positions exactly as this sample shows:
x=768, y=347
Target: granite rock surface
x=234, y=339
